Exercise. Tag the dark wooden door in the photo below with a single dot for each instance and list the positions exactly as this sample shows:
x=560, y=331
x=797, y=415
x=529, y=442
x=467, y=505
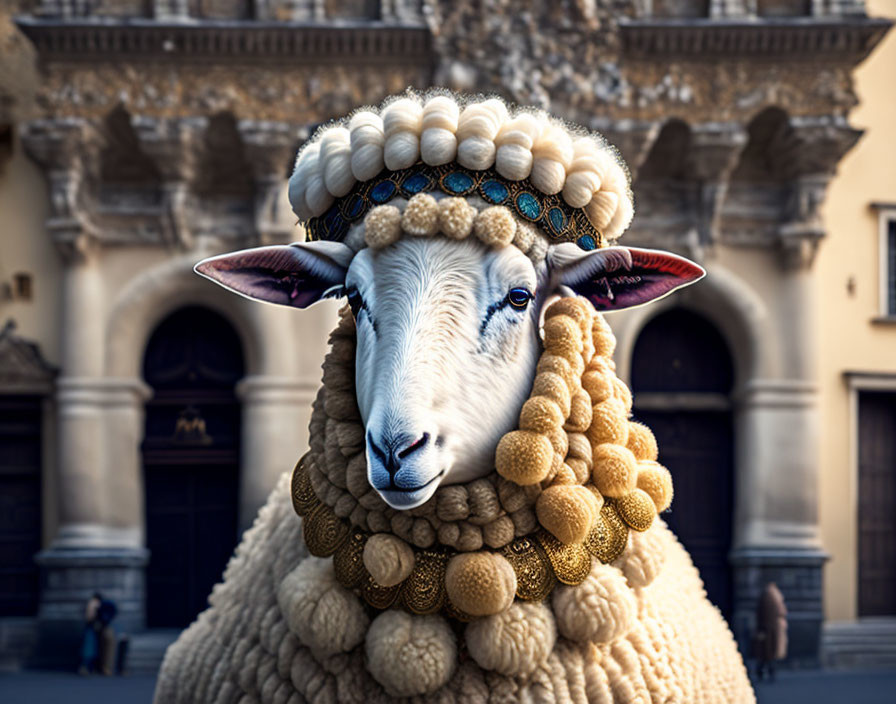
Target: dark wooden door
x=20, y=509
x=877, y=504
x=681, y=379
x=191, y=461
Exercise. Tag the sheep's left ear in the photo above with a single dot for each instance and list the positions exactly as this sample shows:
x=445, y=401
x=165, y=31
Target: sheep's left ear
x=620, y=277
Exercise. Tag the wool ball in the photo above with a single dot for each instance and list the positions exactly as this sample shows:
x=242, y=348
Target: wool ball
x=559, y=441
x=599, y=385
x=421, y=216
x=599, y=610
x=514, y=642
x=564, y=476
x=615, y=470
x=642, y=559
x=410, y=655
x=555, y=388
x=524, y=457
x=623, y=393
x=452, y=502
x=601, y=208
x=388, y=559
x=499, y=532
x=568, y=512
x=456, y=217
x=637, y=509
x=558, y=365
x=382, y=226
x=581, y=470
x=656, y=482
x=322, y=614
x=576, y=308
x=604, y=342
x=480, y=583
x=495, y=226
x=563, y=337
x=608, y=423
x=641, y=441
x=541, y=414
x=580, y=412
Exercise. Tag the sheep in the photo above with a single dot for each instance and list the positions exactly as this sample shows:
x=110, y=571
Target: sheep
x=478, y=517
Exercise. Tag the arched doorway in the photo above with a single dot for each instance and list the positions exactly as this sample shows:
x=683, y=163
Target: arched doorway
x=682, y=375
x=190, y=460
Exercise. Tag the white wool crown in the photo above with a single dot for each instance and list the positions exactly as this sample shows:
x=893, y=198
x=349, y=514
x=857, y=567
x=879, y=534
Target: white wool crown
x=475, y=132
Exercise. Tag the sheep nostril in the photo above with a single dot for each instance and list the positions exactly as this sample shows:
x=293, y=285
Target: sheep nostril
x=414, y=447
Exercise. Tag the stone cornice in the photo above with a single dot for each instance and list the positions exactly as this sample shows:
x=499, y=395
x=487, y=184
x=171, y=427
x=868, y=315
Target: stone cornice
x=238, y=41
x=795, y=38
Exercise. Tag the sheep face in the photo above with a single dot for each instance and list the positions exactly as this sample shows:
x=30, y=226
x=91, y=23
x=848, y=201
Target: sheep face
x=447, y=335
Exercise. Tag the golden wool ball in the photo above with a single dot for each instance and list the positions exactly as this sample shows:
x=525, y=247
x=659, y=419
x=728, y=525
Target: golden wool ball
x=495, y=226
x=656, y=481
x=541, y=414
x=558, y=365
x=388, y=559
x=609, y=423
x=421, y=216
x=580, y=412
x=563, y=337
x=598, y=384
x=615, y=470
x=566, y=511
x=641, y=441
x=524, y=457
x=637, y=509
x=554, y=387
x=480, y=583
x=382, y=226
x=576, y=308
x=604, y=345
x=456, y=218
x=565, y=475
x=623, y=393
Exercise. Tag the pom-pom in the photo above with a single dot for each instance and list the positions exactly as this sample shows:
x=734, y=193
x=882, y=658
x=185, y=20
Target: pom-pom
x=641, y=441
x=480, y=583
x=524, y=457
x=558, y=365
x=541, y=414
x=637, y=509
x=421, y=216
x=554, y=387
x=382, y=226
x=599, y=610
x=656, y=482
x=388, y=559
x=576, y=308
x=563, y=337
x=514, y=642
x=580, y=412
x=608, y=423
x=568, y=512
x=410, y=655
x=322, y=614
x=495, y=226
x=615, y=470
x=456, y=217
x=599, y=385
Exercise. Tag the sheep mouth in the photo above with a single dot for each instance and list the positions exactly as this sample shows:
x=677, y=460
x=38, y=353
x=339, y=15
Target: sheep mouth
x=404, y=499
x=400, y=490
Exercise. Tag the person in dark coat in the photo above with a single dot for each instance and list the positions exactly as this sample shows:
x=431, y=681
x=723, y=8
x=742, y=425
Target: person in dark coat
x=90, y=644
x=770, y=640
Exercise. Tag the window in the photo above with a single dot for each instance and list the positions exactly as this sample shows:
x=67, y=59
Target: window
x=888, y=261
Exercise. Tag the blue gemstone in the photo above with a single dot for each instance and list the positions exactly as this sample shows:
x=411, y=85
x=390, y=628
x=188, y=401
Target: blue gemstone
x=457, y=182
x=557, y=218
x=528, y=206
x=382, y=191
x=353, y=207
x=586, y=242
x=415, y=183
x=494, y=191
x=334, y=225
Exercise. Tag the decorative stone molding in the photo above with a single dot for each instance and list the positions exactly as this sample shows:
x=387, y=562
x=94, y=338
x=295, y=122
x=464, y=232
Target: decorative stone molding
x=23, y=369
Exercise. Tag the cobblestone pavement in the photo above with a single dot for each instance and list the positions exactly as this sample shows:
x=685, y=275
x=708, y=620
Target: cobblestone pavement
x=809, y=687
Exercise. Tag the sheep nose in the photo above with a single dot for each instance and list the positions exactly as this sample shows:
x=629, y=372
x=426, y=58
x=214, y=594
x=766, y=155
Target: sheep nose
x=392, y=450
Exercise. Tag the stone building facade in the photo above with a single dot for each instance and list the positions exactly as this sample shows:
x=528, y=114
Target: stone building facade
x=143, y=135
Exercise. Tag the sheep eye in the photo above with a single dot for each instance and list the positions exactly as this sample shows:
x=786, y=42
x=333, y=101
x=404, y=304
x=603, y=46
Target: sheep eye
x=519, y=297
x=354, y=300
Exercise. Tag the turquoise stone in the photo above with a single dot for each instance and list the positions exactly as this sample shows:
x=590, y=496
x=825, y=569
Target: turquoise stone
x=415, y=183
x=457, y=182
x=382, y=192
x=494, y=191
x=586, y=242
x=528, y=206
x=557, y=218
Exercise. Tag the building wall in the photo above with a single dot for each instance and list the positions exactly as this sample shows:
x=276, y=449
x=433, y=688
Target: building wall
x=848, y=298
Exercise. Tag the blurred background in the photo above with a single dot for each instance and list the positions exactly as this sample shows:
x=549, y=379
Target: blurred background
x=145, y=414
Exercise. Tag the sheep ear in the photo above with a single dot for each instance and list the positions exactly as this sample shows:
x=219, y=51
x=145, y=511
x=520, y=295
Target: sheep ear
x=296, y=275
x=613, y=278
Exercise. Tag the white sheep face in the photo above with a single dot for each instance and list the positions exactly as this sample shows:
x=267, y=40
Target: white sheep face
x=447, y=336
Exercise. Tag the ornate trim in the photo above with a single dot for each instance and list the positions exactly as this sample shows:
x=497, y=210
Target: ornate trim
x=148, y=40
x=23, y=369
x=853, y=38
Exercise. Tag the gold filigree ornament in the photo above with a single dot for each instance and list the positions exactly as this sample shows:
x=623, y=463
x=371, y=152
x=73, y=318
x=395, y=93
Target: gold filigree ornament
x=571, y=562
x=324, y=531
x=534, y=577
x=348, y=562
x=423, y=592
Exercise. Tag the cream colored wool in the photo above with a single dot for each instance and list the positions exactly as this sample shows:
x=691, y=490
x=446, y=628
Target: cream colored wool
x=421, y=216
x=388, y=559
x=599, y=610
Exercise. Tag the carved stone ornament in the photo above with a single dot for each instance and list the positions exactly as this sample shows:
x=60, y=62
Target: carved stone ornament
x=23, y=369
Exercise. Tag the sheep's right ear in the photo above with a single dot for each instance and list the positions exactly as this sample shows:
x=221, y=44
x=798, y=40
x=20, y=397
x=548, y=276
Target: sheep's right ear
x=296, y=275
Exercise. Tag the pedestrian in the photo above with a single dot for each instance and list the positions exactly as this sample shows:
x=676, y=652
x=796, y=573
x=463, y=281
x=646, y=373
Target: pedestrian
x=90, y=640
x=770, y=639
x=106, y=633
